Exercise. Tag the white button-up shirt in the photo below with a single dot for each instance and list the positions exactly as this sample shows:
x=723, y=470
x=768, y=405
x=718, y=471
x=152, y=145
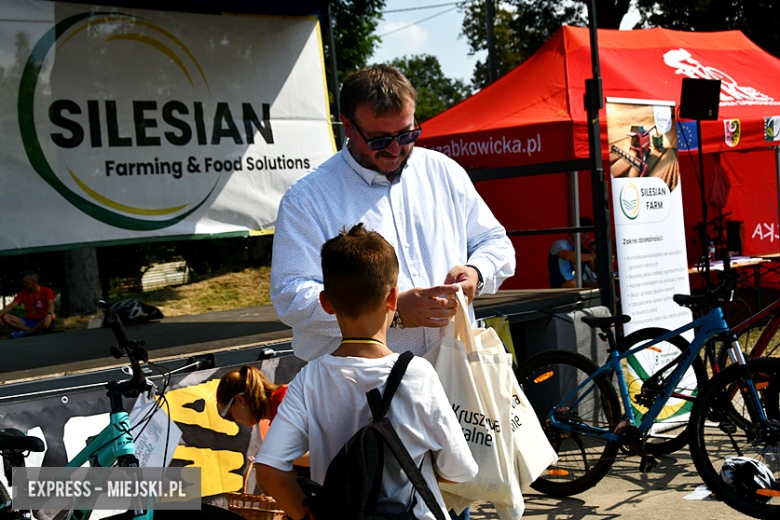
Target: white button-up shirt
x=431, y=214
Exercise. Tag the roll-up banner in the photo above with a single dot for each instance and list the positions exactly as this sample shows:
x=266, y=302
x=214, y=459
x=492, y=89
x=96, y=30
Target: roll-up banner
x=121, y=124
x=649, y=227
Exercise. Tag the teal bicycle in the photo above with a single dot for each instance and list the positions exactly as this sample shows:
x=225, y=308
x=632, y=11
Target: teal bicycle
x=736, y=414
x=115, y=445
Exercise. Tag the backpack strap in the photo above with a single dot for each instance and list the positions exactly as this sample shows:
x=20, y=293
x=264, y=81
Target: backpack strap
x=415, y=476
x=380, y=405
x=385, y=430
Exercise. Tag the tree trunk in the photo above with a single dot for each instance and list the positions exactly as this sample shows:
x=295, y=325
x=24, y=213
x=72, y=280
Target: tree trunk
x=81, y=284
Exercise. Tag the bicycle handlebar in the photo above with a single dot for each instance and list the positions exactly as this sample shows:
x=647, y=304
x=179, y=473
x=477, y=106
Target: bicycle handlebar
x=716, y=297
x=120, y=333
x=135, y=352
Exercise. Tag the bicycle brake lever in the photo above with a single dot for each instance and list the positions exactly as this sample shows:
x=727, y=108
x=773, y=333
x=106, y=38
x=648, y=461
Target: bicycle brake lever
x=151, y=389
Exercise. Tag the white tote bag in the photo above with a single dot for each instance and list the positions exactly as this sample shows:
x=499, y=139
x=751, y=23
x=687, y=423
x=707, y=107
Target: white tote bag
x=534, y=453
x=476, y=373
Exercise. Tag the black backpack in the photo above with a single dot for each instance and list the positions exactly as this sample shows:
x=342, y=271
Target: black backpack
x=353, y=478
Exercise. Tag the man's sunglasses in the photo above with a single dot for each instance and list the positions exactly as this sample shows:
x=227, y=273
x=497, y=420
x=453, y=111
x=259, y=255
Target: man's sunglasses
x=223, y=412
x=380, y=143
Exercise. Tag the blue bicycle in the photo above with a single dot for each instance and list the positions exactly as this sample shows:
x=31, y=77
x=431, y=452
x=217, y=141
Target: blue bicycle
x=737, y=413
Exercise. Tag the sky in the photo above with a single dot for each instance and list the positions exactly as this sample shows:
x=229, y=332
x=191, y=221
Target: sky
x=434, y=31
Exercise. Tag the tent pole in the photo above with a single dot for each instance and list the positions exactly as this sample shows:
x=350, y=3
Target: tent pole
x=334, y=73
x=491, y=41
x=594, y=100
x=777, y=172
x=575, y=218
x=706, y=235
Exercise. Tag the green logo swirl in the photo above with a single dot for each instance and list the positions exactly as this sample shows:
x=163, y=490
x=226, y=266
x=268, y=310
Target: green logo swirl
x=32, y=145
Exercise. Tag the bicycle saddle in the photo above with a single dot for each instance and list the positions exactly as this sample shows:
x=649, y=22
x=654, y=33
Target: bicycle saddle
x=606, y=321
x=12, y=439
x=688, y=300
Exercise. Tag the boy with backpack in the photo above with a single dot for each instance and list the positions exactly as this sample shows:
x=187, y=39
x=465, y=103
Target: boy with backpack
x=326, y=403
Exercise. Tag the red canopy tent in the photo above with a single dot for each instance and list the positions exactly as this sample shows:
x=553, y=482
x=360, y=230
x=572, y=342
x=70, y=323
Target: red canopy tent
x=533, y=121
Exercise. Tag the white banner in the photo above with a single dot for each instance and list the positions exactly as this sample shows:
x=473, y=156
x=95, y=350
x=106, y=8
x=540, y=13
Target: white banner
x=649, y=223
x=126, y=124
x=649, y=228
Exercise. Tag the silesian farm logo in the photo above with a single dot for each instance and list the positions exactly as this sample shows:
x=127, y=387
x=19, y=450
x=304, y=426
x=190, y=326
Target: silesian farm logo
x=629, y=200
x=87, y=186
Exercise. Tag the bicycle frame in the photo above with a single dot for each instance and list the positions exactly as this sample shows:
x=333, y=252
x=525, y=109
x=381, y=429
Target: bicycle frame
x=711, y=324
x=762, y=342
x=766, y=335
x=113, y=442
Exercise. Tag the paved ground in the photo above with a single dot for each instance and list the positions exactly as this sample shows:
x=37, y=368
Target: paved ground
x=625, y=492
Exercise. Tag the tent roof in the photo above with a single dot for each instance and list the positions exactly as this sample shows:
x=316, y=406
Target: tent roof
x=536, y=114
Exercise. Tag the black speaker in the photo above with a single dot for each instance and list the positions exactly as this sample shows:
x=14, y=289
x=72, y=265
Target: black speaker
x=735, y=233
x=700, y=99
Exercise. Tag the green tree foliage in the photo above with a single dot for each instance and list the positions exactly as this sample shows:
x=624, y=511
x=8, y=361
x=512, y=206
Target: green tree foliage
x=758, y=19
x=523, y=26
x=509, y=49
x=354, y=24
x=436, y=92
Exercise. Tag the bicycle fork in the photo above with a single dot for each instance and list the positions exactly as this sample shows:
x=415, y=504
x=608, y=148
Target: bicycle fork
x=749, y=390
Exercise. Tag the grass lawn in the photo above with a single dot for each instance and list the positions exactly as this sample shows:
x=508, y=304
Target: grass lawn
x=229, y=288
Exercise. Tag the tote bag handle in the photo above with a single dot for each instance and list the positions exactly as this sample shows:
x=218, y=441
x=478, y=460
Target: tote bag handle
x=459, y=326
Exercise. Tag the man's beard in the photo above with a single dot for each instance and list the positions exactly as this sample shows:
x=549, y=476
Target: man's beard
x=367, y=164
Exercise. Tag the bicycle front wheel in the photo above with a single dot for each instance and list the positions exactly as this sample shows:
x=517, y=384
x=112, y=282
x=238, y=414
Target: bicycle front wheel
x=583, y=459
x=715, y=437
x=668, y=433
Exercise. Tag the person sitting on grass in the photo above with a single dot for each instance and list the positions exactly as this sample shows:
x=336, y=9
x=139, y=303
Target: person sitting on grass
x=326, y=402
x=38, y=305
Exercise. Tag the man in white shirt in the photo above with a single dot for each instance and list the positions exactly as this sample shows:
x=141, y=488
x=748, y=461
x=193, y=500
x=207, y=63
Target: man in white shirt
x=423, y=203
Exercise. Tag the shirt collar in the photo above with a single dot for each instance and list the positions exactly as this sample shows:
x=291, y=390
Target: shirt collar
x=371, y=177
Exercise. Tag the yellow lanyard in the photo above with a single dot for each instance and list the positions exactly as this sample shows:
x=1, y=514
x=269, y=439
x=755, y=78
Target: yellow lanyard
x=362, y=340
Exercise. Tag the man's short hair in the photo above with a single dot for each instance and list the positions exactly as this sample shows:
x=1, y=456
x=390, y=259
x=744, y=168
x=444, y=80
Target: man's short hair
x=32, y=275
x=382, y=87
x=359, y=267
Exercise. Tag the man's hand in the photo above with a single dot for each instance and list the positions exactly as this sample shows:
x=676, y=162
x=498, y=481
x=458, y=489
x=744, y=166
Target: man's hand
x=467, y=277
x=427, y=307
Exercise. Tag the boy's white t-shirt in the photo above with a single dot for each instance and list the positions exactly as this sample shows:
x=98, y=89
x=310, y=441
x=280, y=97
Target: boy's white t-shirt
x=326, y=404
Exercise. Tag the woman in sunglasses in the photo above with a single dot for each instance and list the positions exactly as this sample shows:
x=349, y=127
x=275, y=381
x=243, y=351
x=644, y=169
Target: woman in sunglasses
x=246, y=397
